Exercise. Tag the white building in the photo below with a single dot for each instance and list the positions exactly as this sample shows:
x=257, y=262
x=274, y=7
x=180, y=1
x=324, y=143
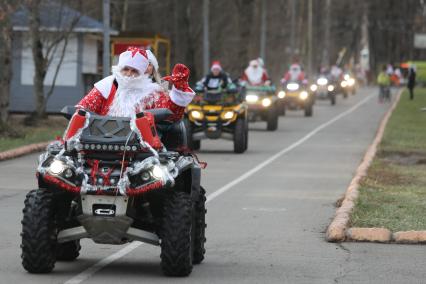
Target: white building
x=81, y=63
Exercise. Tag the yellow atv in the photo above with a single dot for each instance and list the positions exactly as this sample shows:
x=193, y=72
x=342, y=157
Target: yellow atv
x=296, y=96
x=215, y=114
x=263, y=105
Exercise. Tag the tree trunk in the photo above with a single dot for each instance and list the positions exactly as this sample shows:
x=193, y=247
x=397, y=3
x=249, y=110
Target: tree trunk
x=327, y=34
x=39, y=60
x=6, y=72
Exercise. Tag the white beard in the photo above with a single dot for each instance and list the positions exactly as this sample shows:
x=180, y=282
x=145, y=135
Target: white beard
x=294, y=75
x=133, y=94
x=254, y=74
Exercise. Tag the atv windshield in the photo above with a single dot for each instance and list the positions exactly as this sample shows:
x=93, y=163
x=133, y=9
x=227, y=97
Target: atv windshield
x=260, y=90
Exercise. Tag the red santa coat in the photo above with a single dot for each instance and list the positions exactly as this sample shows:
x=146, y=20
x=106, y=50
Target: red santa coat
x=261, y=80
x=289, y=76
x=101, y=97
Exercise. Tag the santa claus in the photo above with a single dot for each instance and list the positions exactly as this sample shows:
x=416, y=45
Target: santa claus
x=295, y=73
x=130, y=90
x=255, y=75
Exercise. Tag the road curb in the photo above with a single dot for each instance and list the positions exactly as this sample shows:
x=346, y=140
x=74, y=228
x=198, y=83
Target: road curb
x=24, y=150
x=336, y=231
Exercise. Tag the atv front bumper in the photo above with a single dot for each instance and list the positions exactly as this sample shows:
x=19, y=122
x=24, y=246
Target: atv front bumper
x=104, y=221
x=212, y=129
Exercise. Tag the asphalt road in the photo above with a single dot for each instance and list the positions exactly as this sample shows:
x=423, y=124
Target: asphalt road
x=267, y=211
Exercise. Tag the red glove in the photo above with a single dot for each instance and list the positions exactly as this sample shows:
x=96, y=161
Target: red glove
x=179, y=78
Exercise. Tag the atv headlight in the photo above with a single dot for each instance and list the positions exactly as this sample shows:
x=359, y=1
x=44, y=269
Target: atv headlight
x=196, y=114
x=157, y=172
x=266, y=102
x=314, y=87
x=330, y=88
x=292, y=86
x=252, y=98
x=322, y=81
x=351, y=82
x=57, y=167
x=303, y=95
x=227, y=115
x=346, y=77
x=344, y=84
x=281, y=94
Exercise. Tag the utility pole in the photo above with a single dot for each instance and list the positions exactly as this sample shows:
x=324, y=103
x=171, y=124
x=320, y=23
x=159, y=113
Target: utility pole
x=292, y=27
x=106, y=39
x=263, y=30
x=206, y=43
x=310, y=8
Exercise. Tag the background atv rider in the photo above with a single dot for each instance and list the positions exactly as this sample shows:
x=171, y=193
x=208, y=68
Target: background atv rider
x=294, y=74
x=216, y=78
x=255, y=74
x=130, y=90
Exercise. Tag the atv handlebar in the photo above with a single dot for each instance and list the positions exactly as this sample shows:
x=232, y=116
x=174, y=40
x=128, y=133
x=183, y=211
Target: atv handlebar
x=160, y=114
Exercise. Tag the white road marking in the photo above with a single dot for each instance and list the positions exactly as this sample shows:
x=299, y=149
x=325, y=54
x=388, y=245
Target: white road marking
x=226, y=187
x=86, y=274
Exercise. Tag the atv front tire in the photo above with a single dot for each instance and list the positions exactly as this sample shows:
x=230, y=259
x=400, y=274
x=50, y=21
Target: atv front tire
x=240, y=133
x=272, y=119
x=38, y=232
x=176, y=235
x=200, y=227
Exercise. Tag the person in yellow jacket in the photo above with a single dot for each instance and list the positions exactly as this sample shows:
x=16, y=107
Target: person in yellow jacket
x=383, y=81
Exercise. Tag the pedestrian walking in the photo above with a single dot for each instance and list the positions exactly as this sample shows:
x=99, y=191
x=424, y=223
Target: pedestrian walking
x=411, y=81
x=383, y=81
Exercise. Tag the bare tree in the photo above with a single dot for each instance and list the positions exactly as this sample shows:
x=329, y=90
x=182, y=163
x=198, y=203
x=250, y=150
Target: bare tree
x=45, y=45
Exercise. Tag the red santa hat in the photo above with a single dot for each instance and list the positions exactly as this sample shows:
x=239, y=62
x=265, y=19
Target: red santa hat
x=134, y=57
x=216, y=65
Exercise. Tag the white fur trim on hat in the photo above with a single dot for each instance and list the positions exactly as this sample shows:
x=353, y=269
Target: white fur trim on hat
x=133, y=59
x=152, y=59
x=181, y=98
x=104, y=86
x=216, y=66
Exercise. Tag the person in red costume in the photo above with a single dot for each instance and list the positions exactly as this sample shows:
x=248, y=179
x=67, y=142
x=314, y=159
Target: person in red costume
x=130, y=90
x=295, y=73
x=255, y=75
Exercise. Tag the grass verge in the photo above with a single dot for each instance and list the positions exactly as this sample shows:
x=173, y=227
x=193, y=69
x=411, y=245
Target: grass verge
x=393, y=194
x=46, y=130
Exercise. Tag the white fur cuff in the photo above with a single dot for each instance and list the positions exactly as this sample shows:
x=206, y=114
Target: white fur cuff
x=181, y=98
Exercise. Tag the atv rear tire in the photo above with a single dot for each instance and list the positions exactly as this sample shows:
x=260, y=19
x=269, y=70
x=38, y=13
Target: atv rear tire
x=176, y=235
x=308, y=110
x=195, y=145
x=192, y=144
x=68, y=251
x=200, y=227
x=38, y=232
x=240, y=139
x=333, y=99
x=281, y=107
x=272, y=119
x=247, y=134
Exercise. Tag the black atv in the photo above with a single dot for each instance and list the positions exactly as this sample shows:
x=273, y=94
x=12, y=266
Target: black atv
x=107, y=183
